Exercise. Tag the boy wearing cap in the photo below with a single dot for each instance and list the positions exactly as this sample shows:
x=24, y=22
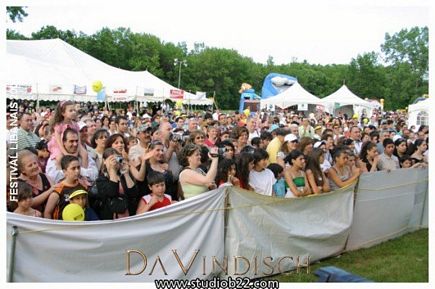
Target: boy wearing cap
x=80, y=197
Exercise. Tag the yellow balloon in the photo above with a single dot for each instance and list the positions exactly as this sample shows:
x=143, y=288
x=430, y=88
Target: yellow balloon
x=247, y=112
x=97, y=86
x=73, y=212
x=177, y=113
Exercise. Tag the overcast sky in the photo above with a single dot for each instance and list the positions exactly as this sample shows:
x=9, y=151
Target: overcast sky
x=322, y=32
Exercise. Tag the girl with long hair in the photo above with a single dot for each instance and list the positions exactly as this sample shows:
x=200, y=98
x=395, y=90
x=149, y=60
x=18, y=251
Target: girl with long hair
x=317, y=180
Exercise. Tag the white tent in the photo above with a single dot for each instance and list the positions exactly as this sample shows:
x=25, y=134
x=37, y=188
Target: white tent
x=418, y=113
x=54, y=70
x=344, y=97
x=294, y=95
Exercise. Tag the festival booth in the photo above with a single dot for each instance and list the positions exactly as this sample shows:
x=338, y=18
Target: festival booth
x=345, y=101
x=418, y=113
x=55, y=70
x=295, y=95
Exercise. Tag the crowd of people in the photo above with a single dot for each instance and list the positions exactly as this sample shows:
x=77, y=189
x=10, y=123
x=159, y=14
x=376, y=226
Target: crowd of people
x=114, y=164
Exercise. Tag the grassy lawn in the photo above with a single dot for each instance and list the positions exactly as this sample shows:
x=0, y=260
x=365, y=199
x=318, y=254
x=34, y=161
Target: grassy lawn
x=405, y=259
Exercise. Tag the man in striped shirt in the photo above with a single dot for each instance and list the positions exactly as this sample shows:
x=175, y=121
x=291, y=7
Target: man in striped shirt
x=26, y=137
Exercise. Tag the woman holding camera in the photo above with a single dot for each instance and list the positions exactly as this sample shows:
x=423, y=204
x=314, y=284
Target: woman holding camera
x=117, y=191
x=193, y=180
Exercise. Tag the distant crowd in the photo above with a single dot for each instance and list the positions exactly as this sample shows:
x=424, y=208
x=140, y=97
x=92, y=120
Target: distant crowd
x=81, y=163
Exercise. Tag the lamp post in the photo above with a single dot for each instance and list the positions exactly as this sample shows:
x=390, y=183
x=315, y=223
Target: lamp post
x=179, y=62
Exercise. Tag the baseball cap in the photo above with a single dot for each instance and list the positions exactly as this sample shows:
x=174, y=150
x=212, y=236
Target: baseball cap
x=144, y=127
x=397, y=137
x=319, y=144
x=290, y=137
x=81, y=125
x=76, y=193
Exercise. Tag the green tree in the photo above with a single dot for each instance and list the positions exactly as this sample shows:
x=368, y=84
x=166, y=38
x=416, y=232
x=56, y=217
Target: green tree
x=14, y=35
x=145, y=53
x=16, y=13
x=406, y=52
x=366, y=76
x=112, y=47
x=408, y=46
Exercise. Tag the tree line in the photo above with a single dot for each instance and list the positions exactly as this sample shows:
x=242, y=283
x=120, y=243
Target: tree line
x=398, y=75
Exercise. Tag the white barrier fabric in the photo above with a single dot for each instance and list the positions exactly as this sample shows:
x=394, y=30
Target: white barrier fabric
x=419, y=217
x=387, y=205
x=57, y=251
x=256, y=228
x=259, y=227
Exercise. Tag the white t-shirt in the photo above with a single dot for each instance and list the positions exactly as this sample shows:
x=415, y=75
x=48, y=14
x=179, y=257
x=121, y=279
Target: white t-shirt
x=262, y=182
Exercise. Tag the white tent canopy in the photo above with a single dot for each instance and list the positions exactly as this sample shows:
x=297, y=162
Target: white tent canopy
x=418, y=113
x=54, y=70
x=343, y=97
x=294, y=95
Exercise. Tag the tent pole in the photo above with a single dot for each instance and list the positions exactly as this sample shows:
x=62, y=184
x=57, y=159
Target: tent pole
x=12, y=254
x=37, y=97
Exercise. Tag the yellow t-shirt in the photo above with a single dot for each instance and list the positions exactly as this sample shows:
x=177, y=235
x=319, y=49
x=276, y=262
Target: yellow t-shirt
x=273, y=148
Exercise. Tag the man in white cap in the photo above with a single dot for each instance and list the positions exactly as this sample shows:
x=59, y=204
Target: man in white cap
x=144, y=137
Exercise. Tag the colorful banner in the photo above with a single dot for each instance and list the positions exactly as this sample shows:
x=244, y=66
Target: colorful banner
x=79, y=89
x=18, y=89
x=148, y=92
x=177, y=93
x=57, y=89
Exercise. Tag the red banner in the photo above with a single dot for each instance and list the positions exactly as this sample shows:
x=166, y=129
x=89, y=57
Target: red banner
x=177, y=93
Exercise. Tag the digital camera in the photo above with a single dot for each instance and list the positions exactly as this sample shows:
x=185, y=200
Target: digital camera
x=176, y=137
x=222, y=151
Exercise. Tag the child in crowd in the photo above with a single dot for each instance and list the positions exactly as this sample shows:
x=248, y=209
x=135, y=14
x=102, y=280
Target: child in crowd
x=80, y=197
x=25, y=201
x=280, y=186
x=261, y=179
x=245, y=164
x=295, y=176
x=315, y=176
x=406, y=162
x=64, y=117
x=43, y=154
x=72, y=182
x=226, y=174
x=131, y=141
x=157, y=199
